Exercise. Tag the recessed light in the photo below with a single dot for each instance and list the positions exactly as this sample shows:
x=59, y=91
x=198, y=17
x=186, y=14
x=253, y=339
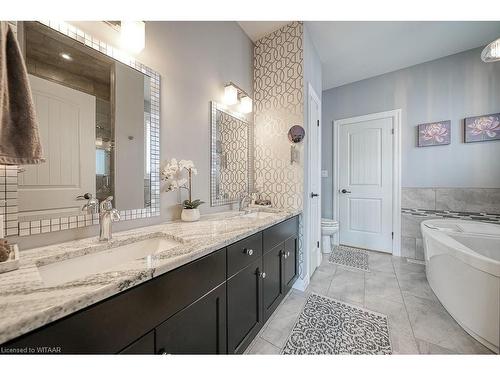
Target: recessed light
x=66, y=56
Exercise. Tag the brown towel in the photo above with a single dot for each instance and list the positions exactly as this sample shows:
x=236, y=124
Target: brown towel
x=19, y=138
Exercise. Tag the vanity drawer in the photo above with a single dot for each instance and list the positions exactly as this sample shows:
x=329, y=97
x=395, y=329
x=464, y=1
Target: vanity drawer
x=280, y=232
x=242, y=253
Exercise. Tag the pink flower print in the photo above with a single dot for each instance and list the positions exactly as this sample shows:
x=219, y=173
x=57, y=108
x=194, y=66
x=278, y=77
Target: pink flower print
x=434, y=132
x=488, y=125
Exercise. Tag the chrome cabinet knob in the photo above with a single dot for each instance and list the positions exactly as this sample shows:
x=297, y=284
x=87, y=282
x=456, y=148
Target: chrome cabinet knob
x=248, y=251
x=287, y=254
x=263, y=275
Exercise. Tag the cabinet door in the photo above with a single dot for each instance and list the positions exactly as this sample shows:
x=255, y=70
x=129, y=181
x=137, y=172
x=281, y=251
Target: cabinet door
x=200, y=328
x=244, y=307
x=290, y=262
x=272, y=287
x=145, y=345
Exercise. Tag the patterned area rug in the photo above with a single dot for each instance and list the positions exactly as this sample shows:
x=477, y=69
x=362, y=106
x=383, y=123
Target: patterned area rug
x=329, y=326
x=349, y=257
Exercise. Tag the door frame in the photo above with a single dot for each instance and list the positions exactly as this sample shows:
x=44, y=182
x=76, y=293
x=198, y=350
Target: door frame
x=303, y=280
x=396, y=171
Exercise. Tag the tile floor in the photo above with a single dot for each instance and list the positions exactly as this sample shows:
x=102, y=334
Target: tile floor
x=418, y=323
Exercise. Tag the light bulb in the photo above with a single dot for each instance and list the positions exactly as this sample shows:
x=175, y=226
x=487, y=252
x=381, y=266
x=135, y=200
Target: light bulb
x=230, y=95
x=133, y=35
x=246, y=105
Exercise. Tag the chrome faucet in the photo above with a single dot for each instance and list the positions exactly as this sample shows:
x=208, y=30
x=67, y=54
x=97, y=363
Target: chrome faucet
x=92, y=205
x=107, y=214
x=244, y=197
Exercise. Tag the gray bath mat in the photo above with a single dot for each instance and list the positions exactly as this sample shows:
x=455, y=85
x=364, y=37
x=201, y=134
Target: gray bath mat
x=329, y=326
x=349, y=257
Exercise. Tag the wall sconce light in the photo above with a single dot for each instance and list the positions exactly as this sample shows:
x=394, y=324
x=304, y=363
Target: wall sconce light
x=133, y=35
x=234, y=94
x=246, y=105
x=230, y=94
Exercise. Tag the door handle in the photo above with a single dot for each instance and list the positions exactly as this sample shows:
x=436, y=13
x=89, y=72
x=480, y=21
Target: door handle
x=344, y=191
x=314, y=195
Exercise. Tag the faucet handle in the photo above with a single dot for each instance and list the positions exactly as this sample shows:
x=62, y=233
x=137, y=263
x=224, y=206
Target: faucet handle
x=106, y=204
x=115, y=215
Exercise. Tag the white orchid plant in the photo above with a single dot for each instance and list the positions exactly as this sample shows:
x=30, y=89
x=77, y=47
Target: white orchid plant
x=173, y=173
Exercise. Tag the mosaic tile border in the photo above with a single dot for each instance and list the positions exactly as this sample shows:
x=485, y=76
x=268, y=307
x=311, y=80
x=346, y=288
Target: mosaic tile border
x=8, y=196
x=28, y=228
x=8, y=199
x=477, y=216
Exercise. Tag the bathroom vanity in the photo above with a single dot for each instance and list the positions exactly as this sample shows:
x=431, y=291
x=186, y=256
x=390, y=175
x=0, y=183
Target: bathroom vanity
x=210, y=294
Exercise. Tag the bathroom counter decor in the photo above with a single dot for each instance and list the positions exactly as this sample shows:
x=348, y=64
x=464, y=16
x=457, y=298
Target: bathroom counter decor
x=27, y=303
x=172, y=174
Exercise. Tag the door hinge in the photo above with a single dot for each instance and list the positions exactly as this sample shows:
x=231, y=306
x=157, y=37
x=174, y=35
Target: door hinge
x=392, y=131
x=318, y=122
x=317, y=244
x=392, y=234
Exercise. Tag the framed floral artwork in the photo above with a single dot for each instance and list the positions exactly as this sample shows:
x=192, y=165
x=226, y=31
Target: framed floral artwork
x=434, y=133
x=482, y=128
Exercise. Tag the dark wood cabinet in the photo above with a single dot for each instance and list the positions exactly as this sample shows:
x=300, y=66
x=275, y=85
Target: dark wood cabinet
x=212, y=305
x=200, y=328
x=244, y=252
x=244, y=306
x=272, y=283
x=145, y=345
x=290, y=262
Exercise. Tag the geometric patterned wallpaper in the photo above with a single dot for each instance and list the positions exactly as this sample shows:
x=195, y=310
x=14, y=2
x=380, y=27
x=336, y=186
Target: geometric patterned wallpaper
x=278, y=105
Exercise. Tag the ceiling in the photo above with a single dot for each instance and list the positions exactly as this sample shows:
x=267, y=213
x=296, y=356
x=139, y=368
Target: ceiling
x=354, y=50
x=257, y=29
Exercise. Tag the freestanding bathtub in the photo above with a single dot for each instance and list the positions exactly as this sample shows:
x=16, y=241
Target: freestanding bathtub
x=462, y=259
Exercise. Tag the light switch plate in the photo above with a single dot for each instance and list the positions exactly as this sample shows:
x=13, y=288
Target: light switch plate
x=324, y=173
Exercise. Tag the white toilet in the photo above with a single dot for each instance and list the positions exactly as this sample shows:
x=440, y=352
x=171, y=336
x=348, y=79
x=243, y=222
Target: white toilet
x=328, y=228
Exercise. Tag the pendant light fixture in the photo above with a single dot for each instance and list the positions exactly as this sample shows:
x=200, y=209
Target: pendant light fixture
x=491, y=52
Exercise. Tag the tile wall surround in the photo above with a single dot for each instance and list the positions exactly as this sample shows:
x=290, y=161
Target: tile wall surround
x=278, y=105
x=419, y=204
x=9, y=174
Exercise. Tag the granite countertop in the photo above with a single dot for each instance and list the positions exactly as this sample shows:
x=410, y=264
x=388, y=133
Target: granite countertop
x=26, y=303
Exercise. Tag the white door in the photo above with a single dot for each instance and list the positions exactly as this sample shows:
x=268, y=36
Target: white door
x=66, y=119
x=314, y=178
x=365, y=170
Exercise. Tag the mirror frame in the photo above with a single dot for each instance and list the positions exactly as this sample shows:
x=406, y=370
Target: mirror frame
x=214, y=107
x=26, y=228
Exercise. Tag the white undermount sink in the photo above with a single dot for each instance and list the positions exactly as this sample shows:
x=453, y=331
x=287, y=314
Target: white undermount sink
x=71, y=269
x=258, y=215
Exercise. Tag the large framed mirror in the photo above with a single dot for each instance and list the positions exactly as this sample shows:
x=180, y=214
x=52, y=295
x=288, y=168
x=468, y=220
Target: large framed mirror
x=98, y=114
x=231, y=155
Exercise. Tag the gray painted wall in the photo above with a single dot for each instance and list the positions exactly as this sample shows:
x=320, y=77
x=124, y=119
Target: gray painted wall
x=450, y=88
x=195, y=60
